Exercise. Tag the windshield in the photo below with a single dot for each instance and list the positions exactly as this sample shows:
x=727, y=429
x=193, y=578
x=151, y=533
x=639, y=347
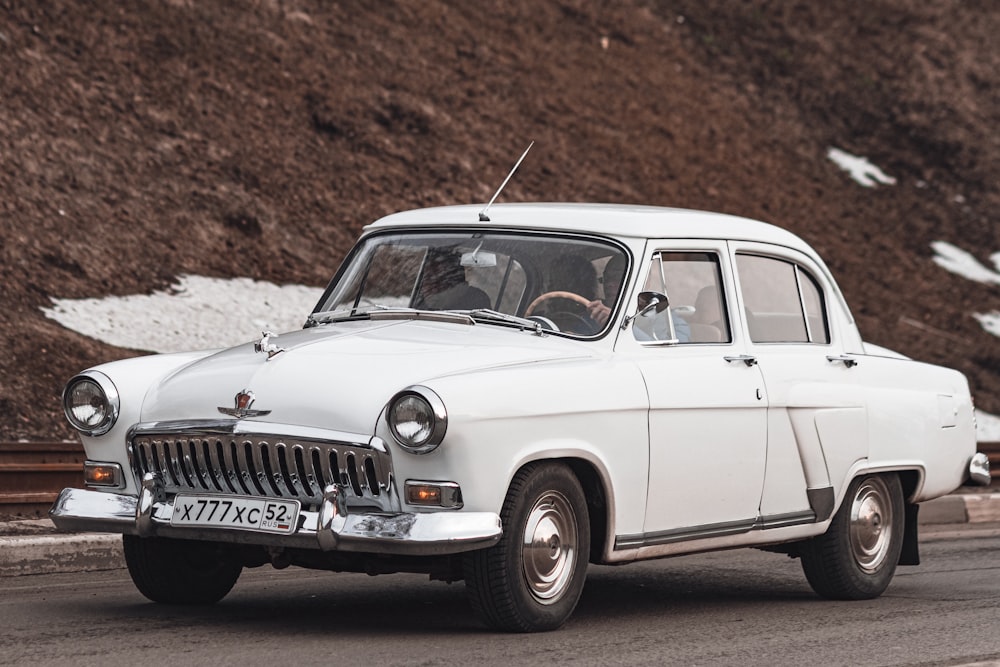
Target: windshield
x=560, y=283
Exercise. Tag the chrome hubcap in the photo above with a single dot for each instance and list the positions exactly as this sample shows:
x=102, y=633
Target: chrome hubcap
x=871, y=524
x=549, y=547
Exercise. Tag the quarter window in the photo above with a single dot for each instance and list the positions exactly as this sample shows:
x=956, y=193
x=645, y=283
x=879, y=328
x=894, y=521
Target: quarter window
x=783, y=302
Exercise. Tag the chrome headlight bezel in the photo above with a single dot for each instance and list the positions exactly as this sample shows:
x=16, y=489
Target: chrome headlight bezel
x=410, y=434
x=108, y=404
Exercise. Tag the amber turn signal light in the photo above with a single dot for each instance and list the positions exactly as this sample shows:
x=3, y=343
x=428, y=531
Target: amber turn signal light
x=434, y=494
x=102, y=474
x=423, y=495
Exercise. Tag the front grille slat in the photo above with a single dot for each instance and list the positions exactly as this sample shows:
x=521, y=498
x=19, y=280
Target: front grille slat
x=284, y=474
x=211, y=464
x=237, y=470
x=262, y=465
x=306, y=479
x=171, y=461
x=271, y=472
x=198, y=472
x=322, y=472
x=226, y=472
x=255, y=472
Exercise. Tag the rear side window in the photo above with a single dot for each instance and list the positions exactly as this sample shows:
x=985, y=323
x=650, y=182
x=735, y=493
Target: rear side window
x=784, y=303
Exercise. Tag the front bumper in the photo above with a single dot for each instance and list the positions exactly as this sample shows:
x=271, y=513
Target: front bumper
x=332, y=528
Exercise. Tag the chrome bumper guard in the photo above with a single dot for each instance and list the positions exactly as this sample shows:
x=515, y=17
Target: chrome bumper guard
x=979, y=469
x=332, y=528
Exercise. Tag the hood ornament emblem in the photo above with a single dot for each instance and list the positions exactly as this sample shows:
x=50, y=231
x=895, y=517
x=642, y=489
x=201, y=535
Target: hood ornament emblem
x=244, y=400
x=265, y=345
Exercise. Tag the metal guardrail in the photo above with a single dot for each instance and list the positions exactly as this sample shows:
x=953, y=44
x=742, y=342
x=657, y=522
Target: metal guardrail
x=33, y=473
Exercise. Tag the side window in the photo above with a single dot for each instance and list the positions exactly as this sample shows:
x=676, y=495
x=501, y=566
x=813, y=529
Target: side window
x=784, y=304
x=692, y=281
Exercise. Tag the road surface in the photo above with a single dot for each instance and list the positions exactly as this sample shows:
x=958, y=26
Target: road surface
x=734, y=608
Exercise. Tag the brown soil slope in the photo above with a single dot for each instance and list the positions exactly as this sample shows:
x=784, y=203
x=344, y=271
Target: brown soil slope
x=143, y=140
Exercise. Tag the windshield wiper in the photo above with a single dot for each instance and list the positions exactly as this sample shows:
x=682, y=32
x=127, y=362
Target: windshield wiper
x=380, y=312
x=523, y=322
x=426, y=315
x=327, y=316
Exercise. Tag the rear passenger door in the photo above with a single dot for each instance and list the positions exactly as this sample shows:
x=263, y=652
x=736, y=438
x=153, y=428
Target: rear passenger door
x=817, y=421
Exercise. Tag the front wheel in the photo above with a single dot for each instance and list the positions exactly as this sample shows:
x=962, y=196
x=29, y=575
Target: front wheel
x=180, y=571
x=532, y=579
x=856, y=557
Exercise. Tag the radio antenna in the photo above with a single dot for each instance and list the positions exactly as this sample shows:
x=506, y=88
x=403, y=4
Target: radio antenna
x=482, y=214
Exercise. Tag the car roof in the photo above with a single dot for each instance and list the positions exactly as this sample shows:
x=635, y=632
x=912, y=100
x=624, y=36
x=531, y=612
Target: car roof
x=608, y=219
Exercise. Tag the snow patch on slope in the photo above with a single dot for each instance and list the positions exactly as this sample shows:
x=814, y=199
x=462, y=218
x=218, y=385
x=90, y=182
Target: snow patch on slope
x=196, y=313
x=859, y=169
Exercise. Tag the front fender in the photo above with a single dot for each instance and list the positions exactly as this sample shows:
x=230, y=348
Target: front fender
x=132, y=378
x=499, y=420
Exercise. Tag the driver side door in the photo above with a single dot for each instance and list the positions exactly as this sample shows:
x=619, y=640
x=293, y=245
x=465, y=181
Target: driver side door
x=707, y=406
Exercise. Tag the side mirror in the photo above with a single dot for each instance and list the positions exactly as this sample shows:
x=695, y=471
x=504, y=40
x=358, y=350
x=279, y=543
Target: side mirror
x=651, y=301
x=646, y=303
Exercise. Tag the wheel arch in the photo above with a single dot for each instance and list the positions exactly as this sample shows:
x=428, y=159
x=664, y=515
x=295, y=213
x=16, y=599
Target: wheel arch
x=596, y=485
x=911, y=479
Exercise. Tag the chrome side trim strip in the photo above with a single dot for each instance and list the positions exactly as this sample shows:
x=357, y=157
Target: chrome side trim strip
x=623, y=542
x=785, y=520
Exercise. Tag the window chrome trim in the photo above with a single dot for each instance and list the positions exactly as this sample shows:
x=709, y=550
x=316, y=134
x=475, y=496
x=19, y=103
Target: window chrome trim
x=802, y=303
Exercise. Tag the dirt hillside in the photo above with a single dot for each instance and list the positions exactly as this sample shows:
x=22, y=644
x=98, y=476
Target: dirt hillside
x=144, y=140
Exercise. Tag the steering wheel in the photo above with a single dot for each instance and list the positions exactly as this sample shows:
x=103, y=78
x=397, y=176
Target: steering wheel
x=566, y=320
x=542, y=298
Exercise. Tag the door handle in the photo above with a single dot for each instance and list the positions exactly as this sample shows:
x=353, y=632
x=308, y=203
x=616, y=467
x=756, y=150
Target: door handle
x=850, y=362
x=745, y=358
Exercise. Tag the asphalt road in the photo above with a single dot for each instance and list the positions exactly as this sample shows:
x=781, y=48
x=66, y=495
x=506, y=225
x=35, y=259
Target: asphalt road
x=734, y=608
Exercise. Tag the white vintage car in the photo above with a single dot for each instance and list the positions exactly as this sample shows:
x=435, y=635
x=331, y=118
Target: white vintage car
x=505, y=398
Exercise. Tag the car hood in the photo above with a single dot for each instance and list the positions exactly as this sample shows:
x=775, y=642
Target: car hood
x=340, y=376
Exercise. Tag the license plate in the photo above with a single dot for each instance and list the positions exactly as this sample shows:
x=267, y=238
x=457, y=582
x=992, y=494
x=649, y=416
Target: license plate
x=262, y=514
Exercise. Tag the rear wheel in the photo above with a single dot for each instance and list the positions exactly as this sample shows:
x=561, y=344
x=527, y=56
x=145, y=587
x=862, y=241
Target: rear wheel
x=180, y=571
x=532, y=579
x=857, y=556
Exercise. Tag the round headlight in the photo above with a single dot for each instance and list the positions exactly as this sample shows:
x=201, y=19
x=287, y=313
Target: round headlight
x=417, y=419
x=90, y=402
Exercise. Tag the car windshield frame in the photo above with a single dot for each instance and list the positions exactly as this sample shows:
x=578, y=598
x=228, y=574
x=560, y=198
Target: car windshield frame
x=505, y=271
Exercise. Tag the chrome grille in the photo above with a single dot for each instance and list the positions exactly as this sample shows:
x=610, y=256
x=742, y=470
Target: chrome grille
x=261, y=465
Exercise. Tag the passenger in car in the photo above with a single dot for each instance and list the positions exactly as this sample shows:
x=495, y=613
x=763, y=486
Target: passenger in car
x=707, y=322
x=443, y=285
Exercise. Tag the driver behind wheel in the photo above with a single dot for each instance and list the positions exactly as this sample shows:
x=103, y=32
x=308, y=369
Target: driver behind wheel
x=611, y=281
x=573, y=273
x=575, y=276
